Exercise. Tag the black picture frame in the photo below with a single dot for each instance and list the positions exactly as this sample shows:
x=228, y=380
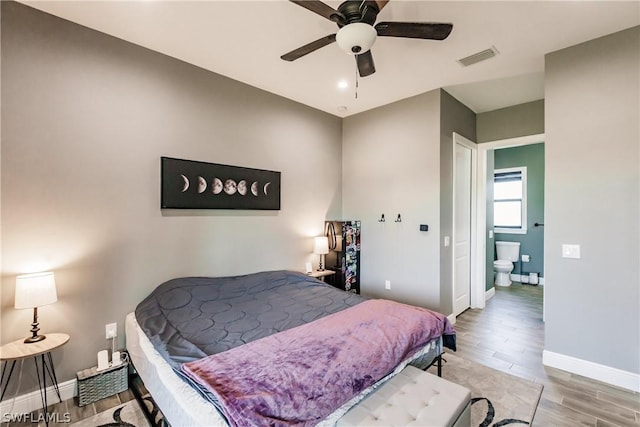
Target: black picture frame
x=190, y=184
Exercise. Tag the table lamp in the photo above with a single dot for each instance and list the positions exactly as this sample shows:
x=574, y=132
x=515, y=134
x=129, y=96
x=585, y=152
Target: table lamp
x=33, y=291
x=321, y=247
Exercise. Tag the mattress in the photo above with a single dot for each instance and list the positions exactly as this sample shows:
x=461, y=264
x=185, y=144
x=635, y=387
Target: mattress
x=187, y=319
x=182, y=405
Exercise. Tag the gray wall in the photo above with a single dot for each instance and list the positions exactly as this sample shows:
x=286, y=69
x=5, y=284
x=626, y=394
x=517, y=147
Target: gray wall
x=85, y=120
x=398, y=159
x=454, y=117
x=391, y=165
x=532, y=243
x=511, y=122
x=592, y=199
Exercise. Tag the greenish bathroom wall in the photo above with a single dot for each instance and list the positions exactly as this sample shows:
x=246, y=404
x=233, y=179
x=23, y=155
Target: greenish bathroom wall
x=531, y=243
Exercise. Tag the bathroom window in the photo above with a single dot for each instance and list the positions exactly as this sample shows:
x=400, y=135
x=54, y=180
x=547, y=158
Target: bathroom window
x=510, y=200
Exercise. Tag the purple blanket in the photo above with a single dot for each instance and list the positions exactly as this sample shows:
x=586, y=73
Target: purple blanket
x=299, y=376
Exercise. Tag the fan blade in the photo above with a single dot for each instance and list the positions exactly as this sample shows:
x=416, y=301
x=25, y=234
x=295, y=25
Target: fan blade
x=381, y=4
x=308, y=48
x=414, y=30
x=321, y=9
x=365, y=64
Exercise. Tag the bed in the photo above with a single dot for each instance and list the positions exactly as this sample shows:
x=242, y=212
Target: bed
x=190, y=333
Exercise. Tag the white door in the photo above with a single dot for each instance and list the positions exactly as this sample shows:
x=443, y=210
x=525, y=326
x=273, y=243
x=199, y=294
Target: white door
x=462, y=230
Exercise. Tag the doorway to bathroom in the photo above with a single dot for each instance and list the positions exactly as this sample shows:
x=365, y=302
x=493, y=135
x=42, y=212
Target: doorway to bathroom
x=517, y=161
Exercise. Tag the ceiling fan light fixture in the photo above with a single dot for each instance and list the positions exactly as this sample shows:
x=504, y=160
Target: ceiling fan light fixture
x=356, y=38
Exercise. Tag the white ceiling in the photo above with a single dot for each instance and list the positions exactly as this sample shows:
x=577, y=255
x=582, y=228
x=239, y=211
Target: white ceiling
x=244, y=40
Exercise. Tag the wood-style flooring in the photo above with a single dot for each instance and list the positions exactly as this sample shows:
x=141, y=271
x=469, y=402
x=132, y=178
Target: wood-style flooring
x=508, y=335
x=68, y=411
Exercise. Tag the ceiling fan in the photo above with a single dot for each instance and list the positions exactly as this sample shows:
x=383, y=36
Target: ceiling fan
x=357, y=33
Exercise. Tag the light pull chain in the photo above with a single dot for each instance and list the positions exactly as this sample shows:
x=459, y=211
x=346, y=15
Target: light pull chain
x=357, y=81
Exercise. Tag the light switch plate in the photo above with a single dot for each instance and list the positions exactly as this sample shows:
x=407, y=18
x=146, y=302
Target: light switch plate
x=447, y=241
x=571, y=251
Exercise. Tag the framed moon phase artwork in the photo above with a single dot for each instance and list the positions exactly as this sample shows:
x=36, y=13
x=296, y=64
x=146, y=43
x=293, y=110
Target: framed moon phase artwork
x=187, y=184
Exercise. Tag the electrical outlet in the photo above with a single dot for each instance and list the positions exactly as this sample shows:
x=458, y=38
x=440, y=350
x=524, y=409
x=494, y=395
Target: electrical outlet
x=387, y=284
x=111, y=330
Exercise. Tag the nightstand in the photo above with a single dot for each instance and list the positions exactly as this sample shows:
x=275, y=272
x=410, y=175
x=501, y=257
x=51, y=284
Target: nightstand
x=19, y=351
x=321, y=274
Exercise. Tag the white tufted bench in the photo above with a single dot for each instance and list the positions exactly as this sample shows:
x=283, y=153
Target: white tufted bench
x=413, y=398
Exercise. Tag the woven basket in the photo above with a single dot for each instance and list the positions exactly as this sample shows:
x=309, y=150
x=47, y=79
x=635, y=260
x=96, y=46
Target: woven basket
x=94, y=385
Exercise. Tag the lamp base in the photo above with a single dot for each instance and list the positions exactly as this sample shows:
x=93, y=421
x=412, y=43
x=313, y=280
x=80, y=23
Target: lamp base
x=34, y=329
x=321, y=263
x=37, y=338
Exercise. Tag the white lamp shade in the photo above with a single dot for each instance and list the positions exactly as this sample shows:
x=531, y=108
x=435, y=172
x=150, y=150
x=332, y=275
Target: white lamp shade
x=321, y=246
x=356, y=38
x=35, y=290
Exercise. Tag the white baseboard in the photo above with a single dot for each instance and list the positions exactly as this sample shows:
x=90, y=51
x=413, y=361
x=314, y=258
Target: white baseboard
x=518, y=278
x=452, y=318
x=29, y=402
x=489, y=294
x=606, y=374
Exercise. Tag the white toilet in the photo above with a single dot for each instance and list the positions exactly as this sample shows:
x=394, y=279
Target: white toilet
x=508, y=253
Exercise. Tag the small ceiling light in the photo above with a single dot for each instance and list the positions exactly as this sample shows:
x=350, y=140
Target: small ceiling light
x=356, y=38
x=342, y=84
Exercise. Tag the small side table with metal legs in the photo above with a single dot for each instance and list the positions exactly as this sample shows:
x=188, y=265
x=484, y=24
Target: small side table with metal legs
x=19, y=351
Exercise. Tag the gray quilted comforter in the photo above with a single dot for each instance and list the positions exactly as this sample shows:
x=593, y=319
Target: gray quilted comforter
x=190, y=318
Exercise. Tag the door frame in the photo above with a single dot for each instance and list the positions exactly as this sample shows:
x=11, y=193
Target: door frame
x=476, y=302
x=481, y=231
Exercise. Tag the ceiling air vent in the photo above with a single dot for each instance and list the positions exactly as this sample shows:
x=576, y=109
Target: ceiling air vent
x=477, y=57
